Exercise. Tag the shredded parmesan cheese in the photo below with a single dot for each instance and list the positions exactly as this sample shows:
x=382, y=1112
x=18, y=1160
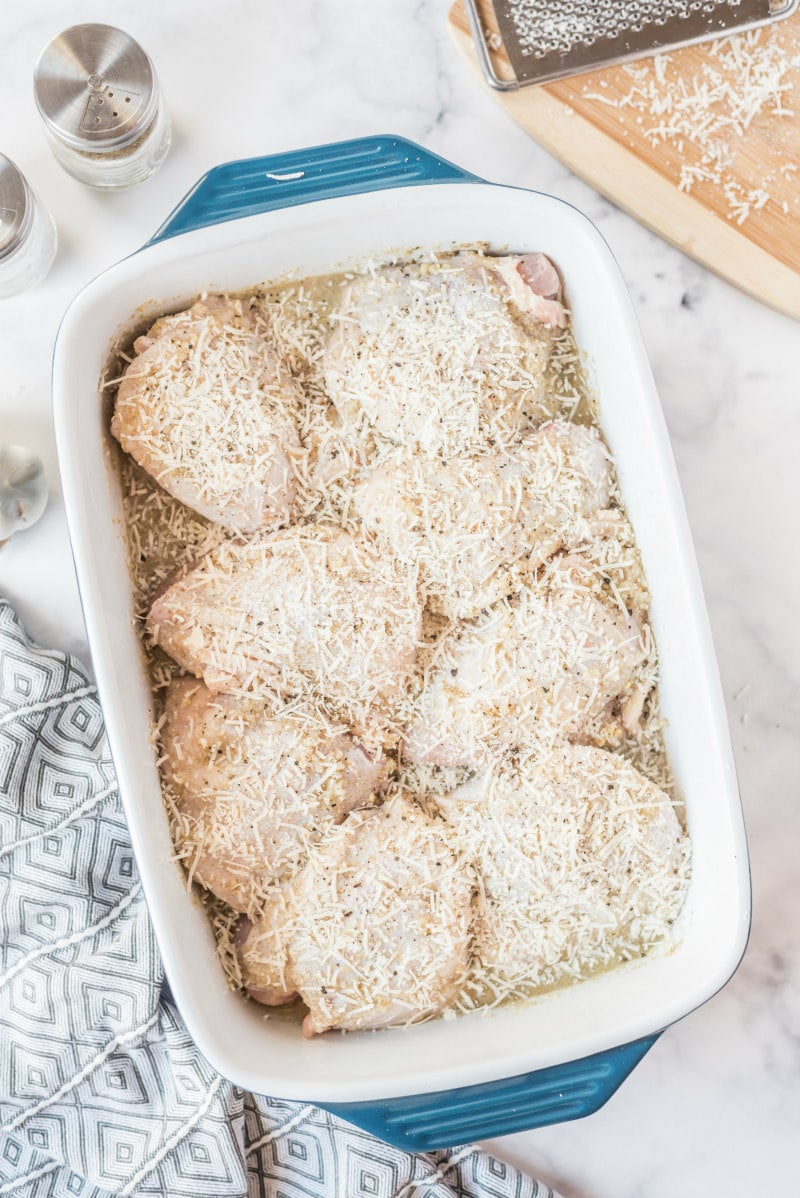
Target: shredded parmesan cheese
x=746, y=79
x=433, y=357
x=208, y=409
x=562, y=658
x=251, y=788
x=374, y=931
x=480, y=526
x=309, y=610
x=581, y=861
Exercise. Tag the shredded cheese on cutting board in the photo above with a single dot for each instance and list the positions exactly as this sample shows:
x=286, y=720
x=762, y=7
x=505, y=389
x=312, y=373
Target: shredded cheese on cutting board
x=701, y=144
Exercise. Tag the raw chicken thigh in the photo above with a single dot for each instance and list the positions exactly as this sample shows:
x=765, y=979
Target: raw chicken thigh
x=479, y=526
x=309, y=609
x=442, y=355
x=252, y=788
x=373, y=932
x=560, y=659
x=208, y=408
x=581, y=861
x=534, y=288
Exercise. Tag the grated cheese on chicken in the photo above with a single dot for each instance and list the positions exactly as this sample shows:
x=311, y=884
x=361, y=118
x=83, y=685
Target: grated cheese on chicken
x=373, y=931
x=562, y=658
x=306, y=610
x=480, y=526
x=208, y=408
x=438, y=357
x=581, y=863
x=251, y=787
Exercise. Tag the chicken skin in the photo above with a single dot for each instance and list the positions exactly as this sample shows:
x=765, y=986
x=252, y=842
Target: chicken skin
x=307, y=610
x=479, y=526
x=446, y=355
x=560, y=659
x=252, y=788
x=581, y=861
x=373, y=931
x=208, y=408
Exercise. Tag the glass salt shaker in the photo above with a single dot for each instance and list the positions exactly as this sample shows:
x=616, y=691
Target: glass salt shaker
x=27, y=233
x=98, y=95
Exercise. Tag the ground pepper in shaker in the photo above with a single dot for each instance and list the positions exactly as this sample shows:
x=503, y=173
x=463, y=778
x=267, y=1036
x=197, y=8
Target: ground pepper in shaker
x=27, y=233
x=98, y=95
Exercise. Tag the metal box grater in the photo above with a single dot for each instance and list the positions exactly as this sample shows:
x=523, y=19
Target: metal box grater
x=548, y=39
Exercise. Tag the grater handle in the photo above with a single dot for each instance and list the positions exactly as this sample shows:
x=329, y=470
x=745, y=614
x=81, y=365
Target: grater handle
x=427, y=1122
x=252, y=185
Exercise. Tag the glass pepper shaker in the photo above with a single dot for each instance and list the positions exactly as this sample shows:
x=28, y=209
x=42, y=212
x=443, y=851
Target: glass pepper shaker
x=98, y=95
x=27, y=233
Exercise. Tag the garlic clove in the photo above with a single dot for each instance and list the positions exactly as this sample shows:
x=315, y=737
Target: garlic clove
x=23, y=490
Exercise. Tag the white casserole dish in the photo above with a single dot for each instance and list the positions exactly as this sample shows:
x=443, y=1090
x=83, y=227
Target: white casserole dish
x=314, y=235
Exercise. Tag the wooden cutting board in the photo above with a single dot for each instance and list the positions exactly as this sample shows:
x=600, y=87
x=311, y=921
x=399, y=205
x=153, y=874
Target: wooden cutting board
x=740, y=216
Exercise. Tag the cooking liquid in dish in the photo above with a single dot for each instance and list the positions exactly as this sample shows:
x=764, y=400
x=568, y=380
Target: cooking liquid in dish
x=164, y=535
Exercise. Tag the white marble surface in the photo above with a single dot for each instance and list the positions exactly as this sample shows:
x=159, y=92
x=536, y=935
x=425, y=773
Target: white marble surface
x=715, y=1107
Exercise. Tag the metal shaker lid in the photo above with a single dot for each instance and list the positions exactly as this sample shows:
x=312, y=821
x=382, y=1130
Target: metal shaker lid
x=95, y=88
x=16, y=207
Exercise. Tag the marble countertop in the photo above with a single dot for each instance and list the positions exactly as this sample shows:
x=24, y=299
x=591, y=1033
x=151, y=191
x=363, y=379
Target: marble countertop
x=715, y=1106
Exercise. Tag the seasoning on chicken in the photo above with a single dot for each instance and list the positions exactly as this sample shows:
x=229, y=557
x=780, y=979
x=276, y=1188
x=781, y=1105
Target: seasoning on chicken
x=582, y=862
x=479, y=526
x=208, y=408
x=307, y=610
x=373, y=931
x=446, y=355
x=252, y=787
x=559, y=659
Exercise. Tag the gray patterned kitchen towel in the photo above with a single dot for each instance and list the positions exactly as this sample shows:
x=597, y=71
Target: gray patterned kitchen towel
x=102, y=1092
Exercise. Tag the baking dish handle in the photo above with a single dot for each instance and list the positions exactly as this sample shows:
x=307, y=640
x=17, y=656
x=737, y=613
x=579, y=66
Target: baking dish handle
x=253, y=185
x=426, y=1122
